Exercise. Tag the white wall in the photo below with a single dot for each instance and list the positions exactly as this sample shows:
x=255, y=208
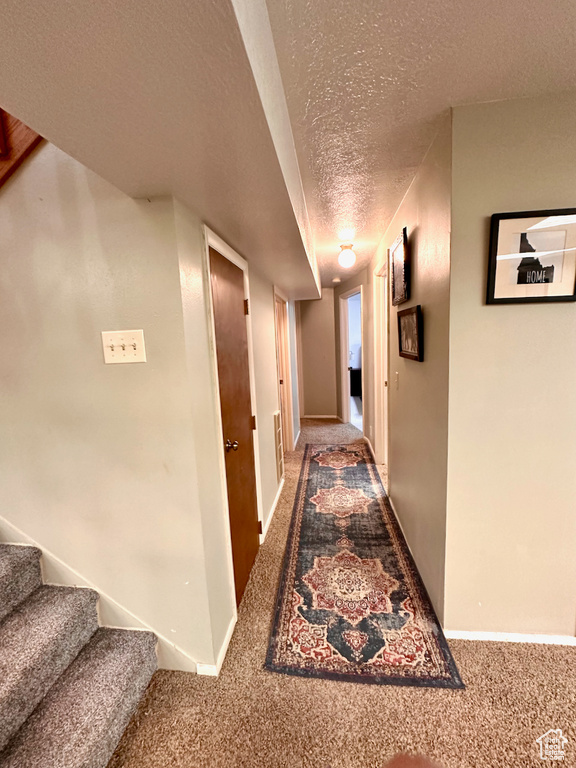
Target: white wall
x=511, y=539
x=116, y=471
x=319, y=355
x=262, y=309
x=97, y=461
x=209, y=497
x=295, y=367
x=418, y=405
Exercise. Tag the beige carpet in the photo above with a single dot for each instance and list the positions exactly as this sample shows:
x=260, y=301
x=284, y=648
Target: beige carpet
x=258, y=719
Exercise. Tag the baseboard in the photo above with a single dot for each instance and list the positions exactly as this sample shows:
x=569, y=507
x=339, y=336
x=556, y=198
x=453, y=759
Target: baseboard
x=110, y=612
x=371, y=449
x=272, y=510
x=296, y=440
x=323, y=417
x=510, y=637
x=213, y=670
x=401, y=528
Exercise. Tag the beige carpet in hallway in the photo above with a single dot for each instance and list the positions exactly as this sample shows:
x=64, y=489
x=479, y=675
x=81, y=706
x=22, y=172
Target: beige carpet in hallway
x=258, y=719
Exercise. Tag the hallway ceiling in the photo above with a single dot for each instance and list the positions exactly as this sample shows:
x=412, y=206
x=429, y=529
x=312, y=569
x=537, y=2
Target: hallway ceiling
x=188, y=99
x=158, y=99
x=366, y=82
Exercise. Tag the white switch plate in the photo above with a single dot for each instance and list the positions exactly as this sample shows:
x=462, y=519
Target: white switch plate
x=123, y=346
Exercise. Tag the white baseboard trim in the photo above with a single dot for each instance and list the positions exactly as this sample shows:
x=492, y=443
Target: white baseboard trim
x=400, y=526
x=371, y=449
x=271, y=513
x=296, y=440
x=510, y=637
x=323, y=417
x=110, y=612
x=213, y=670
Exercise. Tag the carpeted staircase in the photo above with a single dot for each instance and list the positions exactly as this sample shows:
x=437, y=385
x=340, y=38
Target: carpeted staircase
x=67, y=686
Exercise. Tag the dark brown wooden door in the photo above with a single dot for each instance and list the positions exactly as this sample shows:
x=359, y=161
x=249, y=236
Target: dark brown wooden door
x=234, y=377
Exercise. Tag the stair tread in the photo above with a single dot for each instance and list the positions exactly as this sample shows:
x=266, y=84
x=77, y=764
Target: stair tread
x=80, y=721
x=38, y=640
x=19, y=575
x=13, y=556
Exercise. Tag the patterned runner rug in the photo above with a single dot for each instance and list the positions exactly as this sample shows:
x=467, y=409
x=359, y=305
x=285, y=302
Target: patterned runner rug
x=351, y=604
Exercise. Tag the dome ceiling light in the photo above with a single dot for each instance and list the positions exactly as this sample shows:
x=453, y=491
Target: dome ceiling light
x=347, y=257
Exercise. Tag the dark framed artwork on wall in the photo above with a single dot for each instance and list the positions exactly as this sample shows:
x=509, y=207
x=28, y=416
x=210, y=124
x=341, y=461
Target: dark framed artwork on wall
x=411, y=333
x=532, y=257
x=400, y=268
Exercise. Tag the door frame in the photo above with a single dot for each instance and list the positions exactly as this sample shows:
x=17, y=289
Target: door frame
x=212, y=240
x=288, y=438
x=344, y=350
x=381, y=314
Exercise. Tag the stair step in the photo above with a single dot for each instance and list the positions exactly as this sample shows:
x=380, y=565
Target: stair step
x=19, y=575
x=38, y=640
x=81, y=720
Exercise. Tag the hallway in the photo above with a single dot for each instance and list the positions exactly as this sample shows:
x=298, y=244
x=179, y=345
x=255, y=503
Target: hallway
x=257, y=719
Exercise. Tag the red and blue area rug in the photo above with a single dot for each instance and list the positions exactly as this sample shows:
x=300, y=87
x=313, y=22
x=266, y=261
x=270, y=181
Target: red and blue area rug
x=351, y=604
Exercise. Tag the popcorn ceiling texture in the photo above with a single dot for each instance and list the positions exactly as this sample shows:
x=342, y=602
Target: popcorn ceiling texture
x=252, y=718
x=366, y=84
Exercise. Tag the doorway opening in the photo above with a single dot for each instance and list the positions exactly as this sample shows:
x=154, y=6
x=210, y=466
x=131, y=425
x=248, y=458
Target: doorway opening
x=381, y=354
x=284, y=374
x=229, y=290
x=351, y=357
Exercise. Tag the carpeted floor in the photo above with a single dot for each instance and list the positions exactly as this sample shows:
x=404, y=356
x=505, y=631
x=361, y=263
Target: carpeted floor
x=253, y=718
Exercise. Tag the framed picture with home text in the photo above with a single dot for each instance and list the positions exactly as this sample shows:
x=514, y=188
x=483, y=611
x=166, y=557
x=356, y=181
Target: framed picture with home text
x=532, y=257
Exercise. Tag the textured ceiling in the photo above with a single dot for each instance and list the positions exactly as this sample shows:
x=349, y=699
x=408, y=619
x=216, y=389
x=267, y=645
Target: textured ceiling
x=366, y=82
x=159, y=99
x=225, y=109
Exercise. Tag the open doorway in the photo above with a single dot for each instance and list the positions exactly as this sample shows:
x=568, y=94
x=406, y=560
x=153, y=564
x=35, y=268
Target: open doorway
x=351, y=357
x=381, y=352
x=284, y=377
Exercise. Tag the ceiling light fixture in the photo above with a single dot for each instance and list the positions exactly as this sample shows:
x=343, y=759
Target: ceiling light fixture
x=347, y=257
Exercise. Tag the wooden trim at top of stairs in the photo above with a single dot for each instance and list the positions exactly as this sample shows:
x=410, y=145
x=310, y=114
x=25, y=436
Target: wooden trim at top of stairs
x=19, y=143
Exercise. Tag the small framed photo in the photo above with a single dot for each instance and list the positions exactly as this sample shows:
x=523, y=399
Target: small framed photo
x=532, y=257
x=400, y=268
x=411, y=334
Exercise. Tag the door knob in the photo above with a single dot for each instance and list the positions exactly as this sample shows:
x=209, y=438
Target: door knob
x=231, y=446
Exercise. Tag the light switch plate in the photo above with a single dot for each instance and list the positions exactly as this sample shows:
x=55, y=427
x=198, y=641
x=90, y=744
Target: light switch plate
x=123, y=346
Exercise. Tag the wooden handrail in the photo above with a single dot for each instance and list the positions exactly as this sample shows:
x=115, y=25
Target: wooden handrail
x=16, y=142
x=3, y=142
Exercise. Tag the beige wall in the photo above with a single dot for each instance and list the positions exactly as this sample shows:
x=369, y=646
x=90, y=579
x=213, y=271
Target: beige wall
x=318, y=355
x=511, y=538
x=295, y=368
x=97, y=462
x=418, y=406
x=116, y=471
x=208, y=501
x=262, y=310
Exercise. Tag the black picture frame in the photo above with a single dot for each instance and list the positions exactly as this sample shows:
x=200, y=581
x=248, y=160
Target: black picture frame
x=411, y=333
x=516, y=274
x=399, y=260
